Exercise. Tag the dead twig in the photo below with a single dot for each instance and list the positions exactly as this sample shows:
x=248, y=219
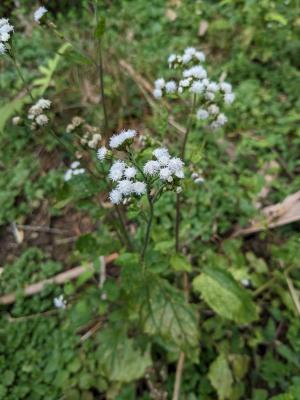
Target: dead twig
x=57, y=279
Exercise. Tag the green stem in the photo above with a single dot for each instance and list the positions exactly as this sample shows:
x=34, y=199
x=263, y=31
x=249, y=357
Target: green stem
x=149, y=224
x=19, y=72
x=101, y=79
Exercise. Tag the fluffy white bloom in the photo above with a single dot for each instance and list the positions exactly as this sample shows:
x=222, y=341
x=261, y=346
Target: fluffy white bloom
x=226, y=87
x=6, y=28
x=118, y=139
x=199, y=180
x=78, y=171
x=202, y=114
x=2, y=48
x=171, y=59
x=185, y=82
x=125, y=187
x=160, y=152
x=178, y=189
x=197, y=87
x=43, y=103
x=115, y=196
x=42, y=120
x=213, y=109
x=157, y=93
x=4, y=37
x=175, y=165
x=139, y=188
x=117, y=170
x=229, y=98
x=200, y=56
x=205, y=82
x=38, y=14
x=130, y=172
x=186, y=58
x=151, y=167
x=75, y=164
x=209, y=96
x=101, y=153
x=197, y=72
x=60, y=302
x=213, y=87
x=165, y=174
x=190, y=51
x=3, y=21
x=179, y=174
x=68, y=175
x=171, y=87
x=159, y=83
x=222, y=119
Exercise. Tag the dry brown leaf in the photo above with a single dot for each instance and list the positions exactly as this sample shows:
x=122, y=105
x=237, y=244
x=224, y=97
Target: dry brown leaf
x=275, y=215
x=203, y=26
x=170, y=14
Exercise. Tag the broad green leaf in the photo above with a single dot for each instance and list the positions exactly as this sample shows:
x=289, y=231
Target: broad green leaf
x=240, y=365
x=100, y=28
x=180, y=263
x=119, y=359
x=164, y=312
x=221, y=377
x=276, y=17
x=225, y=296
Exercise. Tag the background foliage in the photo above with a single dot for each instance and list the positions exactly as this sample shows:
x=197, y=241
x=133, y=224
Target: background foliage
x=241, y=342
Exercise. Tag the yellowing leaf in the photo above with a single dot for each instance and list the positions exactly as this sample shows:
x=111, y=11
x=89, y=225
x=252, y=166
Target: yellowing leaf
x=225, y=296
x=220, y=377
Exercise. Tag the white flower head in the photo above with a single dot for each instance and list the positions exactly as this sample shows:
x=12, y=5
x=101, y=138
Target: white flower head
x=130, y=172
x=200, y=56
x=42, y=120
x=229, y=98
x=213, y=109
x=209, y=96
x=43, y=103
x=213, y=87
x=2, y=48
x=101, y=153
x=171, y=87
x=117, y=170
x=117, y=140
x=6, y=28
x=125, y=187
x=115, y=196
x=60, y=302
x=171, y=59
x=226, y=87
x=222, y=119
x=151, y=167
x=139, y=188
x=157, y=93
x=175, y=164
x=75, y=164
x=161, y=152
x=159, y=83
x=4, y=37
x=39, y=13
x=165, y=174
x=190, y=51
x=185, y=82
x=202, y=114
x=197, y=87
x=186, y=58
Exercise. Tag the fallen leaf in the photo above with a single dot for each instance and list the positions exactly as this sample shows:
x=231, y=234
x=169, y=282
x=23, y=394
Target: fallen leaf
x=275, y=215
x=202, y=28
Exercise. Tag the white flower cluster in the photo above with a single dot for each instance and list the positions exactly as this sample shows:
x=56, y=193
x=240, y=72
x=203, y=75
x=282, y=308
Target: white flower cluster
x=91, y=135
x=195, y=80
x=5, y=32
x=165, y=167
x=117, y=140
x=197, y=178
x=74, y=170
x=124, y=175
x=36, y=112
x=39, y=13
x=60, y=302
x=101, y=153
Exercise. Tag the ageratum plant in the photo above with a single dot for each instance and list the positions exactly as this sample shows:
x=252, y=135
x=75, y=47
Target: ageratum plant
x=147, y=310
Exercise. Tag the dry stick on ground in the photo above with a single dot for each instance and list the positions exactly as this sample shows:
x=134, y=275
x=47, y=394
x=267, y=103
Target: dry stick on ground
x=57, y=279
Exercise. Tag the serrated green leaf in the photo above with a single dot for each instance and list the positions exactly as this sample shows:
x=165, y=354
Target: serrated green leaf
x=225, y=296
x=180, y=263
x=119, y=359
x=164, y=312
x=220, y=377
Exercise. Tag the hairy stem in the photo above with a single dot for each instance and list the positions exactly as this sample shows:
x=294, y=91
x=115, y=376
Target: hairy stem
x=149, y=224
x=101, y=78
